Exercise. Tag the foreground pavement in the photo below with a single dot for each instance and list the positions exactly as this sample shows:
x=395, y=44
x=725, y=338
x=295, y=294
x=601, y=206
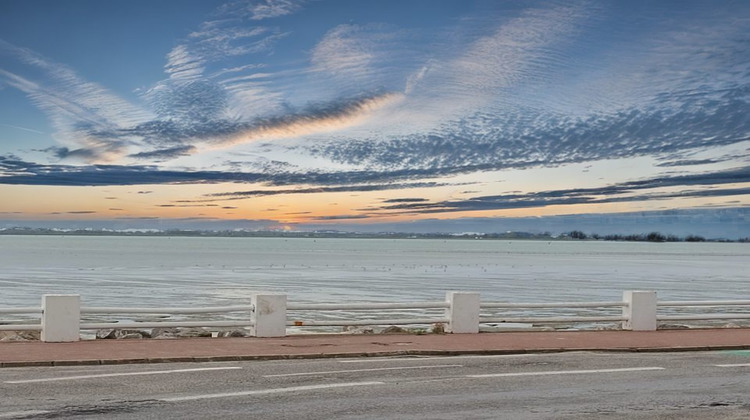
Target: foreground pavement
x=34, y=353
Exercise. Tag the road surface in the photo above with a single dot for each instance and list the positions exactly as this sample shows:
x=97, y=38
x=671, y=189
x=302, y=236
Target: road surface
x=580, y=385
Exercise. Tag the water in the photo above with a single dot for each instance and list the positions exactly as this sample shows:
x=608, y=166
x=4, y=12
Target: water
x=179, y=271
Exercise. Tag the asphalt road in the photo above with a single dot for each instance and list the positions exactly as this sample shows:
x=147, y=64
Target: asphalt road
x=712, y=385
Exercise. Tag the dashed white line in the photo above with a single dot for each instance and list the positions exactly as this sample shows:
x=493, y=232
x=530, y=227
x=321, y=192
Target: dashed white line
x=429, y=358
x=22, y=414
x=563, y=372
x=108, y=375
x=360, y=370
x=269, y=391
x=734, y=365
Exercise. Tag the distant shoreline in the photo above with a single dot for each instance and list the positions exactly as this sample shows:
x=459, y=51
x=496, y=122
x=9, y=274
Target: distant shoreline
x=573, y=236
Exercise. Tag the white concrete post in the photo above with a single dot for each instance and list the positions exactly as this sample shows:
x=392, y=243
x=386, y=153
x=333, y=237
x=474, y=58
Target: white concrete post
x=61, y=318
x=640, y=310
x=463, y=312
x=269, y=314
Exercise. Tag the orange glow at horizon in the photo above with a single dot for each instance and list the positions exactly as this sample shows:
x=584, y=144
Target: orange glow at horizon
x=195, y=201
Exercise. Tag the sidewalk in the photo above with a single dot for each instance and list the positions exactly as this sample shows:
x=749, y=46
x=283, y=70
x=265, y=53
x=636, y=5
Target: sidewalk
x=34, y=353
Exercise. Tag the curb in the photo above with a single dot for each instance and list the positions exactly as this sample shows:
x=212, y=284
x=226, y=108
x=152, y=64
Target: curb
x=261, y=357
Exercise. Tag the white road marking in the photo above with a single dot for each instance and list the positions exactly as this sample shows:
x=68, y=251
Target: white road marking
x=108, y=375
x=22, y=414
x=735, y=365
x=360, y=370
x=562, y=372
x=270, y=391
x=428, y=358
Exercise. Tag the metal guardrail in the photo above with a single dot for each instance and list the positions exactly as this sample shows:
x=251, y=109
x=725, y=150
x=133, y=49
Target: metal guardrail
x=705, y=317
x=163, y=324
x=29, y=310
x=494, y=319
x=552, y=319
x=566, y=305
x=22, y=310
x=704, y=304
x=366, y=322
x=168, y=311
x=366, y=307
x=204, y=310
x=135, y=324
x=21, y=327
x=424, y=313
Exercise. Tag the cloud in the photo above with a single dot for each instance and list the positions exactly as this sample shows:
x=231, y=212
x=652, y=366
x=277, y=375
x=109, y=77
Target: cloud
x=197, y=108
x=352, y=58
x=274, y=8
x=261, y=9
x=75, y=106
x=198, y=87
x=516, y=50
x=316, y=119
x=237, y=69
x=97, y=126
x=30, y=130
x=187, y=205
x=406, y=200
x=689, y=162
x=355, y=53
x=500, y=142
x=197, y=92
x=188, y=113
x=517, y=87
x=340, y=217
x=726, y=183
x=66, y=93
x=188, y=103
x=183, y=64
x=14, y=171
x=491, y=63
x=165, y=153
x=239, y=195
x=190, y=59
x=531, y=92
x=193, y=110
x=685, y=63
x=192, y=123
x=228, y=34
x=413, y=80
x=622, y=192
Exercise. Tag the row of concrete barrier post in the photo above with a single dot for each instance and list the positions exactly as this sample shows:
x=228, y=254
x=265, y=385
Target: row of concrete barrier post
x=61, y=314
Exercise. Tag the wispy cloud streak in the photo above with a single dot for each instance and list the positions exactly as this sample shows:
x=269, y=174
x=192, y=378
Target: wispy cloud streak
x=644, y=190
x=240, y=195
x=323, y=118
x=75, y=106
x=262, y=9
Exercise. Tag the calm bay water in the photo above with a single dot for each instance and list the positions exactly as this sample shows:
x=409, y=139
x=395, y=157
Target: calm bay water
x=178, y=271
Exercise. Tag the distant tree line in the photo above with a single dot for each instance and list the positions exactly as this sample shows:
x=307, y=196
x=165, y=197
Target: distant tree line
x=639, y=237
x=510, y=235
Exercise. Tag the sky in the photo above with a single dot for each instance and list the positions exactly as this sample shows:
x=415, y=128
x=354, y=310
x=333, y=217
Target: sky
x=301, y=114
